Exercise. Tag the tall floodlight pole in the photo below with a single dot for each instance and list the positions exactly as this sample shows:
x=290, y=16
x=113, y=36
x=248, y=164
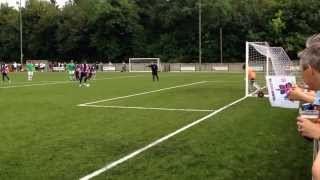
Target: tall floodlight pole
x=200, y=48
x=200, y=33
x=21, y=49
x=221, y=51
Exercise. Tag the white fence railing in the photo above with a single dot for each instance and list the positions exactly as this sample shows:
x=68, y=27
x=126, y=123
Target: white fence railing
x=172, y=67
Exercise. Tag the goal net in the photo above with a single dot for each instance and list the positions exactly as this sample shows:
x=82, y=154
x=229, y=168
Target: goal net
x=141, y=64
x=266, y=61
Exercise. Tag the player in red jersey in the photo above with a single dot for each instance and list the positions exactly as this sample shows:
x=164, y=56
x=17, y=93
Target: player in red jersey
x=84, y=74
x=92, y=72
x=5, y=72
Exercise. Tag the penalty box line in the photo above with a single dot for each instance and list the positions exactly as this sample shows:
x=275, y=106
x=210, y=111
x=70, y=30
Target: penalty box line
x=60, y=82
x=154, y=143
x=149, y=108
x=142, y=93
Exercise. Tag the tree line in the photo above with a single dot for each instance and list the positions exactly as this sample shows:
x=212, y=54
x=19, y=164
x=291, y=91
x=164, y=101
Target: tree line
x=103, y=30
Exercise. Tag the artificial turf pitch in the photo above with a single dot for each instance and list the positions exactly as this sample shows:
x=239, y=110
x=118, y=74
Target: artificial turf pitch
x=45, y=134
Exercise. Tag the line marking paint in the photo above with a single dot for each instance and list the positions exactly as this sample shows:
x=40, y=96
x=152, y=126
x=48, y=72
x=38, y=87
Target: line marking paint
x=154, y=143
x=143, y=93
x=148, y=108
x=59, y=82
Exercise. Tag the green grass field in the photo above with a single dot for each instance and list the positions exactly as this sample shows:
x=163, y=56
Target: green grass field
x=46, y=135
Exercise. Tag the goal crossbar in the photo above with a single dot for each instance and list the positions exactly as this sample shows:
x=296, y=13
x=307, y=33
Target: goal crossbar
x=141, y=64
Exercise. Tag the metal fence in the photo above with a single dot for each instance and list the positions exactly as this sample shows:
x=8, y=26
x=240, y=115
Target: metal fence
x=164, y=67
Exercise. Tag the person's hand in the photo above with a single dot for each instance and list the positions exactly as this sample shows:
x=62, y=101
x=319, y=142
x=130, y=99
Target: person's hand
x=307, y=128
x=296, y=94
x=302, y=85
x=317, y=121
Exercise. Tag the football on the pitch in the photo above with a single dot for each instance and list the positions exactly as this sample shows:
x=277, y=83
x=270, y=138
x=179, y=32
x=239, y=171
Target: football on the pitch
x=88, y=85
x=260, y=94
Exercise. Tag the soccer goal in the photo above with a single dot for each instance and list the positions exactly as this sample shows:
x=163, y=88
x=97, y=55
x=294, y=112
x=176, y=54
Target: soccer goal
x=265, y=61
x=141, y=64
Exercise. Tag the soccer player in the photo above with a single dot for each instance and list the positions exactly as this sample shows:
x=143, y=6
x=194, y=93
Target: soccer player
x=252, y=75
x=154, y=69
x=92, y=72
x=252, y=79
x=84, y=74
x=253, y=85
x=5, y=72
x=77, y=72
x=30, y=69
x=70, y=69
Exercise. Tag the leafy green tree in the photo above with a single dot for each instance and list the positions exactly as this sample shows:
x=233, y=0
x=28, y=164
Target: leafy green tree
x=40, y=22
x=118, y=29
x=115, y=32
x=9, y=33
x=73, y=33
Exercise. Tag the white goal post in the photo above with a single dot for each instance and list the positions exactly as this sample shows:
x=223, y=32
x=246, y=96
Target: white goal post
x=141, y=64
x=258, y=63
x=265, y=61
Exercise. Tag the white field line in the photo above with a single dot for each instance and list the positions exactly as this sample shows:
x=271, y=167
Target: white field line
x=225, y=82
x=123, y=77
x=154, y=143
x=146, y=92
x=40, y=82
x=149, y=108
x=30, y=82
x=28, y=85
x=59, y=82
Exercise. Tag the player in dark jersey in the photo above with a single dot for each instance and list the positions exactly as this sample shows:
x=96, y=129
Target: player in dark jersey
x=5, y=72
x=154, y=69
x=77, y=72
x=84, y=74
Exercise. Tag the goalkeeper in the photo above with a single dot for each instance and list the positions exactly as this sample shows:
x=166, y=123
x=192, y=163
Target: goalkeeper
x=70, y=69
x=252, y=77
x=252, y=80
x=154, y=69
